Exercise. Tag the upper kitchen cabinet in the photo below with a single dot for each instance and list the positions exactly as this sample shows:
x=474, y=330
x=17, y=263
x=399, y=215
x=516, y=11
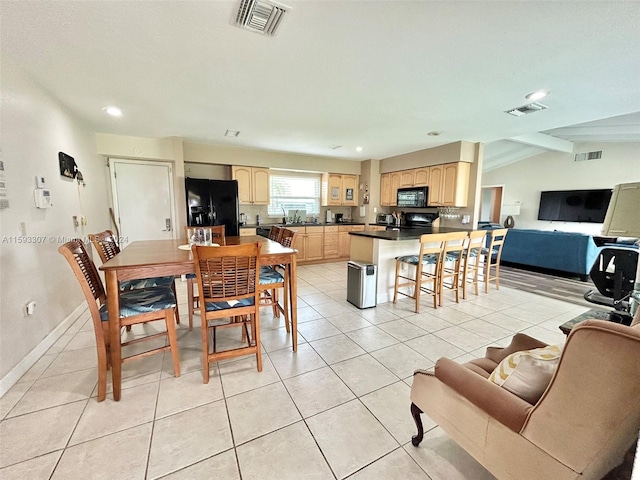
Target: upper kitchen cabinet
x=389, y=184
x=339, y=189
x=406, y=178
x=253, y=185
x=421, y=177
x=449, y=184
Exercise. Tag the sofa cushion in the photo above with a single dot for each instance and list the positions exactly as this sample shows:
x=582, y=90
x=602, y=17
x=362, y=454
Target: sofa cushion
x=527, y=373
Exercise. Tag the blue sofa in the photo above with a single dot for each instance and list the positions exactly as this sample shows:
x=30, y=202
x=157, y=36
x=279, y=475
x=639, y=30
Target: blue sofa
x=568, y=252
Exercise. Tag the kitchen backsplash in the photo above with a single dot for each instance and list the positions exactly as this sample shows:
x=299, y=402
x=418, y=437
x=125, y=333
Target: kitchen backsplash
x=253, y=211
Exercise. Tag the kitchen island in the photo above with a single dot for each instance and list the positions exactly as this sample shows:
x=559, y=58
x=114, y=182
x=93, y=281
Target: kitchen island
x=381, y=248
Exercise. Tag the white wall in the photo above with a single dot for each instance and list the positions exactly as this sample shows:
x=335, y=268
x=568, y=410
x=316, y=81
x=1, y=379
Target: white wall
x=523, y=181
x=34, y=128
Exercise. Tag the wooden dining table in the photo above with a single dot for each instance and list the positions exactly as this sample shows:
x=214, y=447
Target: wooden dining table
x=159, y=258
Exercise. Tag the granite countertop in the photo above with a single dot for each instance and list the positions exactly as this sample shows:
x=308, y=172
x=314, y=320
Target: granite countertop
x=407, y=234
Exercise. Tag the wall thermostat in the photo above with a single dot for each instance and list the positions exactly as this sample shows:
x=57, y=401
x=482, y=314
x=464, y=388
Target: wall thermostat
x=42, y=197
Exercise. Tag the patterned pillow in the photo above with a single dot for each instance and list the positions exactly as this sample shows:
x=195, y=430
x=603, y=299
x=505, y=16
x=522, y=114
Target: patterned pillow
x=527, y=373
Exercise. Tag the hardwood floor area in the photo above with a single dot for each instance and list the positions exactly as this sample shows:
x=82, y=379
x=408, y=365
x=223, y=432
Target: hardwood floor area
x=550, y=284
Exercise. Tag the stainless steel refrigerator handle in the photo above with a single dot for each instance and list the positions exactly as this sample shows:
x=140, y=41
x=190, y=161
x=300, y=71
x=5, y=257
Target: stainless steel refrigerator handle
x=167, y=224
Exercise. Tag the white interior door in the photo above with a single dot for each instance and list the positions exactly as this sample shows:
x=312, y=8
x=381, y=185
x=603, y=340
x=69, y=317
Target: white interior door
x=143, y=199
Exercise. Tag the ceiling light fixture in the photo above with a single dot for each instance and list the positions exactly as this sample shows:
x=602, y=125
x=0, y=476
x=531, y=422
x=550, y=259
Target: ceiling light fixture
x=113, y=111
x=537, y=95
x=232, y=133
x=359, y=149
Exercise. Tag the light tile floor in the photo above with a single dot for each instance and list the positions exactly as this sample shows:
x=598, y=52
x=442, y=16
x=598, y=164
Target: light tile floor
x=338, y=408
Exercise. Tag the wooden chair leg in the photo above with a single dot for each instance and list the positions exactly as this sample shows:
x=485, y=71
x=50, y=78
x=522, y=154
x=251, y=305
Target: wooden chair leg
x=255, y=327
x=286, y=302
x=418, y=287
x=395, y=289
x=274, y=300
x=173, y=341
x=415, y=412
x=205, y=352
x=175, y=294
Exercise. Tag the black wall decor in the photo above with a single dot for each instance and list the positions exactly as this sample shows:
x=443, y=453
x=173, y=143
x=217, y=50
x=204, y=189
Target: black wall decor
x=68, y=167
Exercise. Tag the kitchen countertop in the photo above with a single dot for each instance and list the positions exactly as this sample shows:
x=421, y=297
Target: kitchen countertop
x=305, y=224
x=407, y=234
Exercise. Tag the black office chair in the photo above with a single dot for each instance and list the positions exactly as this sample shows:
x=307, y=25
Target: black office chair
x=613, y=274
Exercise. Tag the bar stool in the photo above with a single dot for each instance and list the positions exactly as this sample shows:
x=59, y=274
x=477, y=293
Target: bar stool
x=425, y=280
x=472, y=257
x=452, y=260
x=491, y=257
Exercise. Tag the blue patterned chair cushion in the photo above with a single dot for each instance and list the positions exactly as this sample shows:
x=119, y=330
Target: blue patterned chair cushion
x=413, y=259
x=270, y=275
x=146, y=283
x=135, y=302
x=213, y=306
x=191, y=275
x=493, y=252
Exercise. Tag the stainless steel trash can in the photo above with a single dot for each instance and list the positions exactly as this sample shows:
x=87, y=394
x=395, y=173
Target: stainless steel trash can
x=362, y=284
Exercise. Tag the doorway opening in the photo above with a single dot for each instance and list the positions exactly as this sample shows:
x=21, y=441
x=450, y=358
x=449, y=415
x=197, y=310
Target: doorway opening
x=490, y=204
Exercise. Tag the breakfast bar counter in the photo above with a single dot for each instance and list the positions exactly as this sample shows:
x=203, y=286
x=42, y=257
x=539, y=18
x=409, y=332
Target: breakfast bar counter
x=382, y=247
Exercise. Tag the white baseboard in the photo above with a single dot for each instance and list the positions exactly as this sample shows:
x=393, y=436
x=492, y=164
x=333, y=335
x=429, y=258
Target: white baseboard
x=10, y=379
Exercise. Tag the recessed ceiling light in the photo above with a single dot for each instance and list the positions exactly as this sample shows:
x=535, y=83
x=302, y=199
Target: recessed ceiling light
x=113, y=111
x=232, y=133
x=359, y=149
x=434, y=133
x=537, y=95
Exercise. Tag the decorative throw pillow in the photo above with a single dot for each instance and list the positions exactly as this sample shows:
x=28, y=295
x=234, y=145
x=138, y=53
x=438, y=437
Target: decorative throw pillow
x=527, y=373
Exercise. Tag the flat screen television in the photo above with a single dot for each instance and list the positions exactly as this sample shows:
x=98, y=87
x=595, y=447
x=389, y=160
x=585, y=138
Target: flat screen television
x=574, y=205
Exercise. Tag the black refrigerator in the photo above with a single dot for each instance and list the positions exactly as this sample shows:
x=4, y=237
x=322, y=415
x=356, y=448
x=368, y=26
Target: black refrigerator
x=212, y=202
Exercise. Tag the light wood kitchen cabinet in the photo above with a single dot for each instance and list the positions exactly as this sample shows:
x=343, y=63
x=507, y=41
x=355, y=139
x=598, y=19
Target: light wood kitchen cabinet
x=395, y=184
x=385, y=189
x=339, y=189
x=253, y=185
x=344, y=239
x=313, y=243
x=449, y=184
x=246, y=231
x=421, y=177
x=331, y=242
x=406, y=178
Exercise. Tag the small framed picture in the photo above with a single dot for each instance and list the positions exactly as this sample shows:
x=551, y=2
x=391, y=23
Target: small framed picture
x=68, y=167
x=349, y=194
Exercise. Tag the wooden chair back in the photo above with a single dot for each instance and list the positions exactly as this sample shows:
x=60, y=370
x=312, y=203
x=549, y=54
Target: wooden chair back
x=105, y=244
x=227, y=273
x=275, y=233
x=496, y=240
x=288, y=238
x=87, y=275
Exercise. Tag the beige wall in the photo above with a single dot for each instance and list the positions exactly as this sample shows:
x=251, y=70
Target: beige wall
x=523, y=181
x=35, y=127
x=216, y=154
x=451, y=152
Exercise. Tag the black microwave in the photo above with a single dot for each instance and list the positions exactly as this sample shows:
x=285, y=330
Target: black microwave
x=413, y=197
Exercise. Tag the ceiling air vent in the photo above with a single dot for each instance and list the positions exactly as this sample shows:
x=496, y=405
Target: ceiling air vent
x=526, y=109
x=260, y=16
x=581, y=157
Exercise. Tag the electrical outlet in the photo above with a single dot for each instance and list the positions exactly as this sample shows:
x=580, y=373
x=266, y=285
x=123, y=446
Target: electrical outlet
x=30, y=307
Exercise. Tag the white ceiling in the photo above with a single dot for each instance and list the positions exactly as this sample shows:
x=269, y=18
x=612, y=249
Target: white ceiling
x=379, y=74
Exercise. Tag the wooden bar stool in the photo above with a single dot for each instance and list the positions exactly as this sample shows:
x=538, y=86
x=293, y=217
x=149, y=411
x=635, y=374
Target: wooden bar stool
x=426, y=280
x=491, y=257
x=472, y=260
x=452, y=260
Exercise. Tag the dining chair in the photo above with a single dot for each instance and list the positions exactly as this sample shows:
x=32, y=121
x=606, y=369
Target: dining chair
x=491, y=256
x=471, y=262
x=426, y=265
x=452, y=261
x=274, y=277
x=275, y=233
x=107, y=247
x=227, y=279
x=217, y=235
x=138, y=306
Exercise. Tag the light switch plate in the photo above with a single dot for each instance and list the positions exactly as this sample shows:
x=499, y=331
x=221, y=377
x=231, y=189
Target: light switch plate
x=40, y=182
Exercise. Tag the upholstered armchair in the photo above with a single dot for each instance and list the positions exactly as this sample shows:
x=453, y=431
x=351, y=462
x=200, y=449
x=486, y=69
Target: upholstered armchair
x=587, y=416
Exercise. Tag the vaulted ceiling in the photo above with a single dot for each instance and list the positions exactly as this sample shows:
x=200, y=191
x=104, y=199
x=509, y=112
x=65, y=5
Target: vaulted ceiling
x=380, y=74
